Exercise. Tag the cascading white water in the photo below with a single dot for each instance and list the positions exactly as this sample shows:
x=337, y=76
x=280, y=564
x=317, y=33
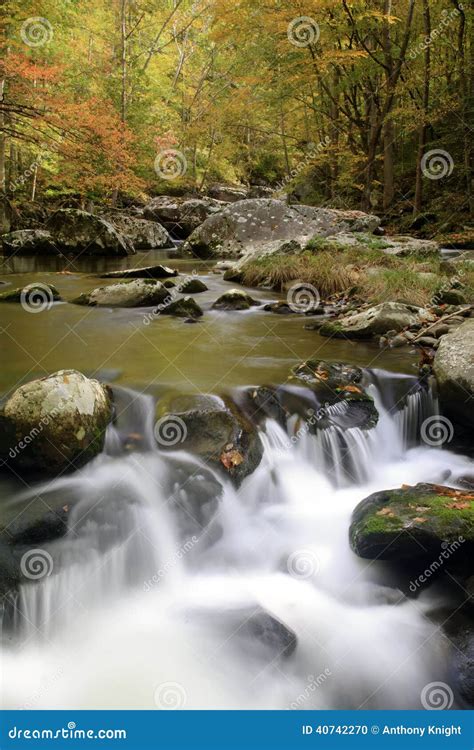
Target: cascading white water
x=147, y=606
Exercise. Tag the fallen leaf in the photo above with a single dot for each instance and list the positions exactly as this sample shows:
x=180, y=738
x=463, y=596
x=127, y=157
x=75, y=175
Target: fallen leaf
x=460, y=505
x=229, y=459
x=385, y=512
x=352, y=389
x=420, y=520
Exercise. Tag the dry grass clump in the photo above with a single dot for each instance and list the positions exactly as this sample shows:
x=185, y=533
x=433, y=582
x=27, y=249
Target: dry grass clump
x=322, y=270
x=371, y=274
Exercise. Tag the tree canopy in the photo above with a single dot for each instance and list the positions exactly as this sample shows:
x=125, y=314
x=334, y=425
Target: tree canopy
x=367, y=103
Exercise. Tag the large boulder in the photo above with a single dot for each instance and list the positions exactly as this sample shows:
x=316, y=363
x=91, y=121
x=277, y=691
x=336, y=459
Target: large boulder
x=454, y=372
x=257, y=226
x=81, y=233
x=212, y=429
x=29, y=242
x=135, y=293
x=55, y=424
x=181, y=216
x=143, y=234
x=377, y=320
x=228, y=193
x=417, y=526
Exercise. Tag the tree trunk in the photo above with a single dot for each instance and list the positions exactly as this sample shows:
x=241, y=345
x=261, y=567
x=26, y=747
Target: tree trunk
x=123, y=29
x=388, y=137
x=4, y=224
x=426, y=103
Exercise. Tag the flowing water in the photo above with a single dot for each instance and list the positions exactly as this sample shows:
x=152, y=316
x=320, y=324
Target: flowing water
x=148, y=604
x=173, y=589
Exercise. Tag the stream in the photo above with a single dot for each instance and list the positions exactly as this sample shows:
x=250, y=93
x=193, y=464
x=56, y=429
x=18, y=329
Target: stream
x=255, y=602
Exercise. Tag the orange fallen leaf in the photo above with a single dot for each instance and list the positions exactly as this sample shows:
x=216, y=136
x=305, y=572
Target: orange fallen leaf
x=385, y=512
x=229, y=459
x=352, y=389
x=420, y=520
x=460, y=505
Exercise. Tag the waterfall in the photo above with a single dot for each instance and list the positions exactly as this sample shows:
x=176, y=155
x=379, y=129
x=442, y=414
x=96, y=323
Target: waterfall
x=147, y=588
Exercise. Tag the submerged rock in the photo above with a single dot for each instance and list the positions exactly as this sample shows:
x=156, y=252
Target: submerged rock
x=195, y=494
x=148, y=272
x=388, y=316
x=417, y=526
x=186, y=307
x=193, y=286
x=29, y=242
x=340, y=393
x=136, y=293
x=454, y=372
x=235, y=299
x=36, y=295
x=81, y=233
x=246, y=227
x=55, y=424
x=212, y=429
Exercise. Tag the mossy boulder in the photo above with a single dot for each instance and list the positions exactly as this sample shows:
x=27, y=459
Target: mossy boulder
x=186, y=307
x=454, y=372
x=193, y=286
x=81, y=233
x=134, y=293
x=414, y=526
x=36, y=295
x=213, y=429
x=29, y=242
x=235, y=299
x=340, y=394
x=55, y=424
